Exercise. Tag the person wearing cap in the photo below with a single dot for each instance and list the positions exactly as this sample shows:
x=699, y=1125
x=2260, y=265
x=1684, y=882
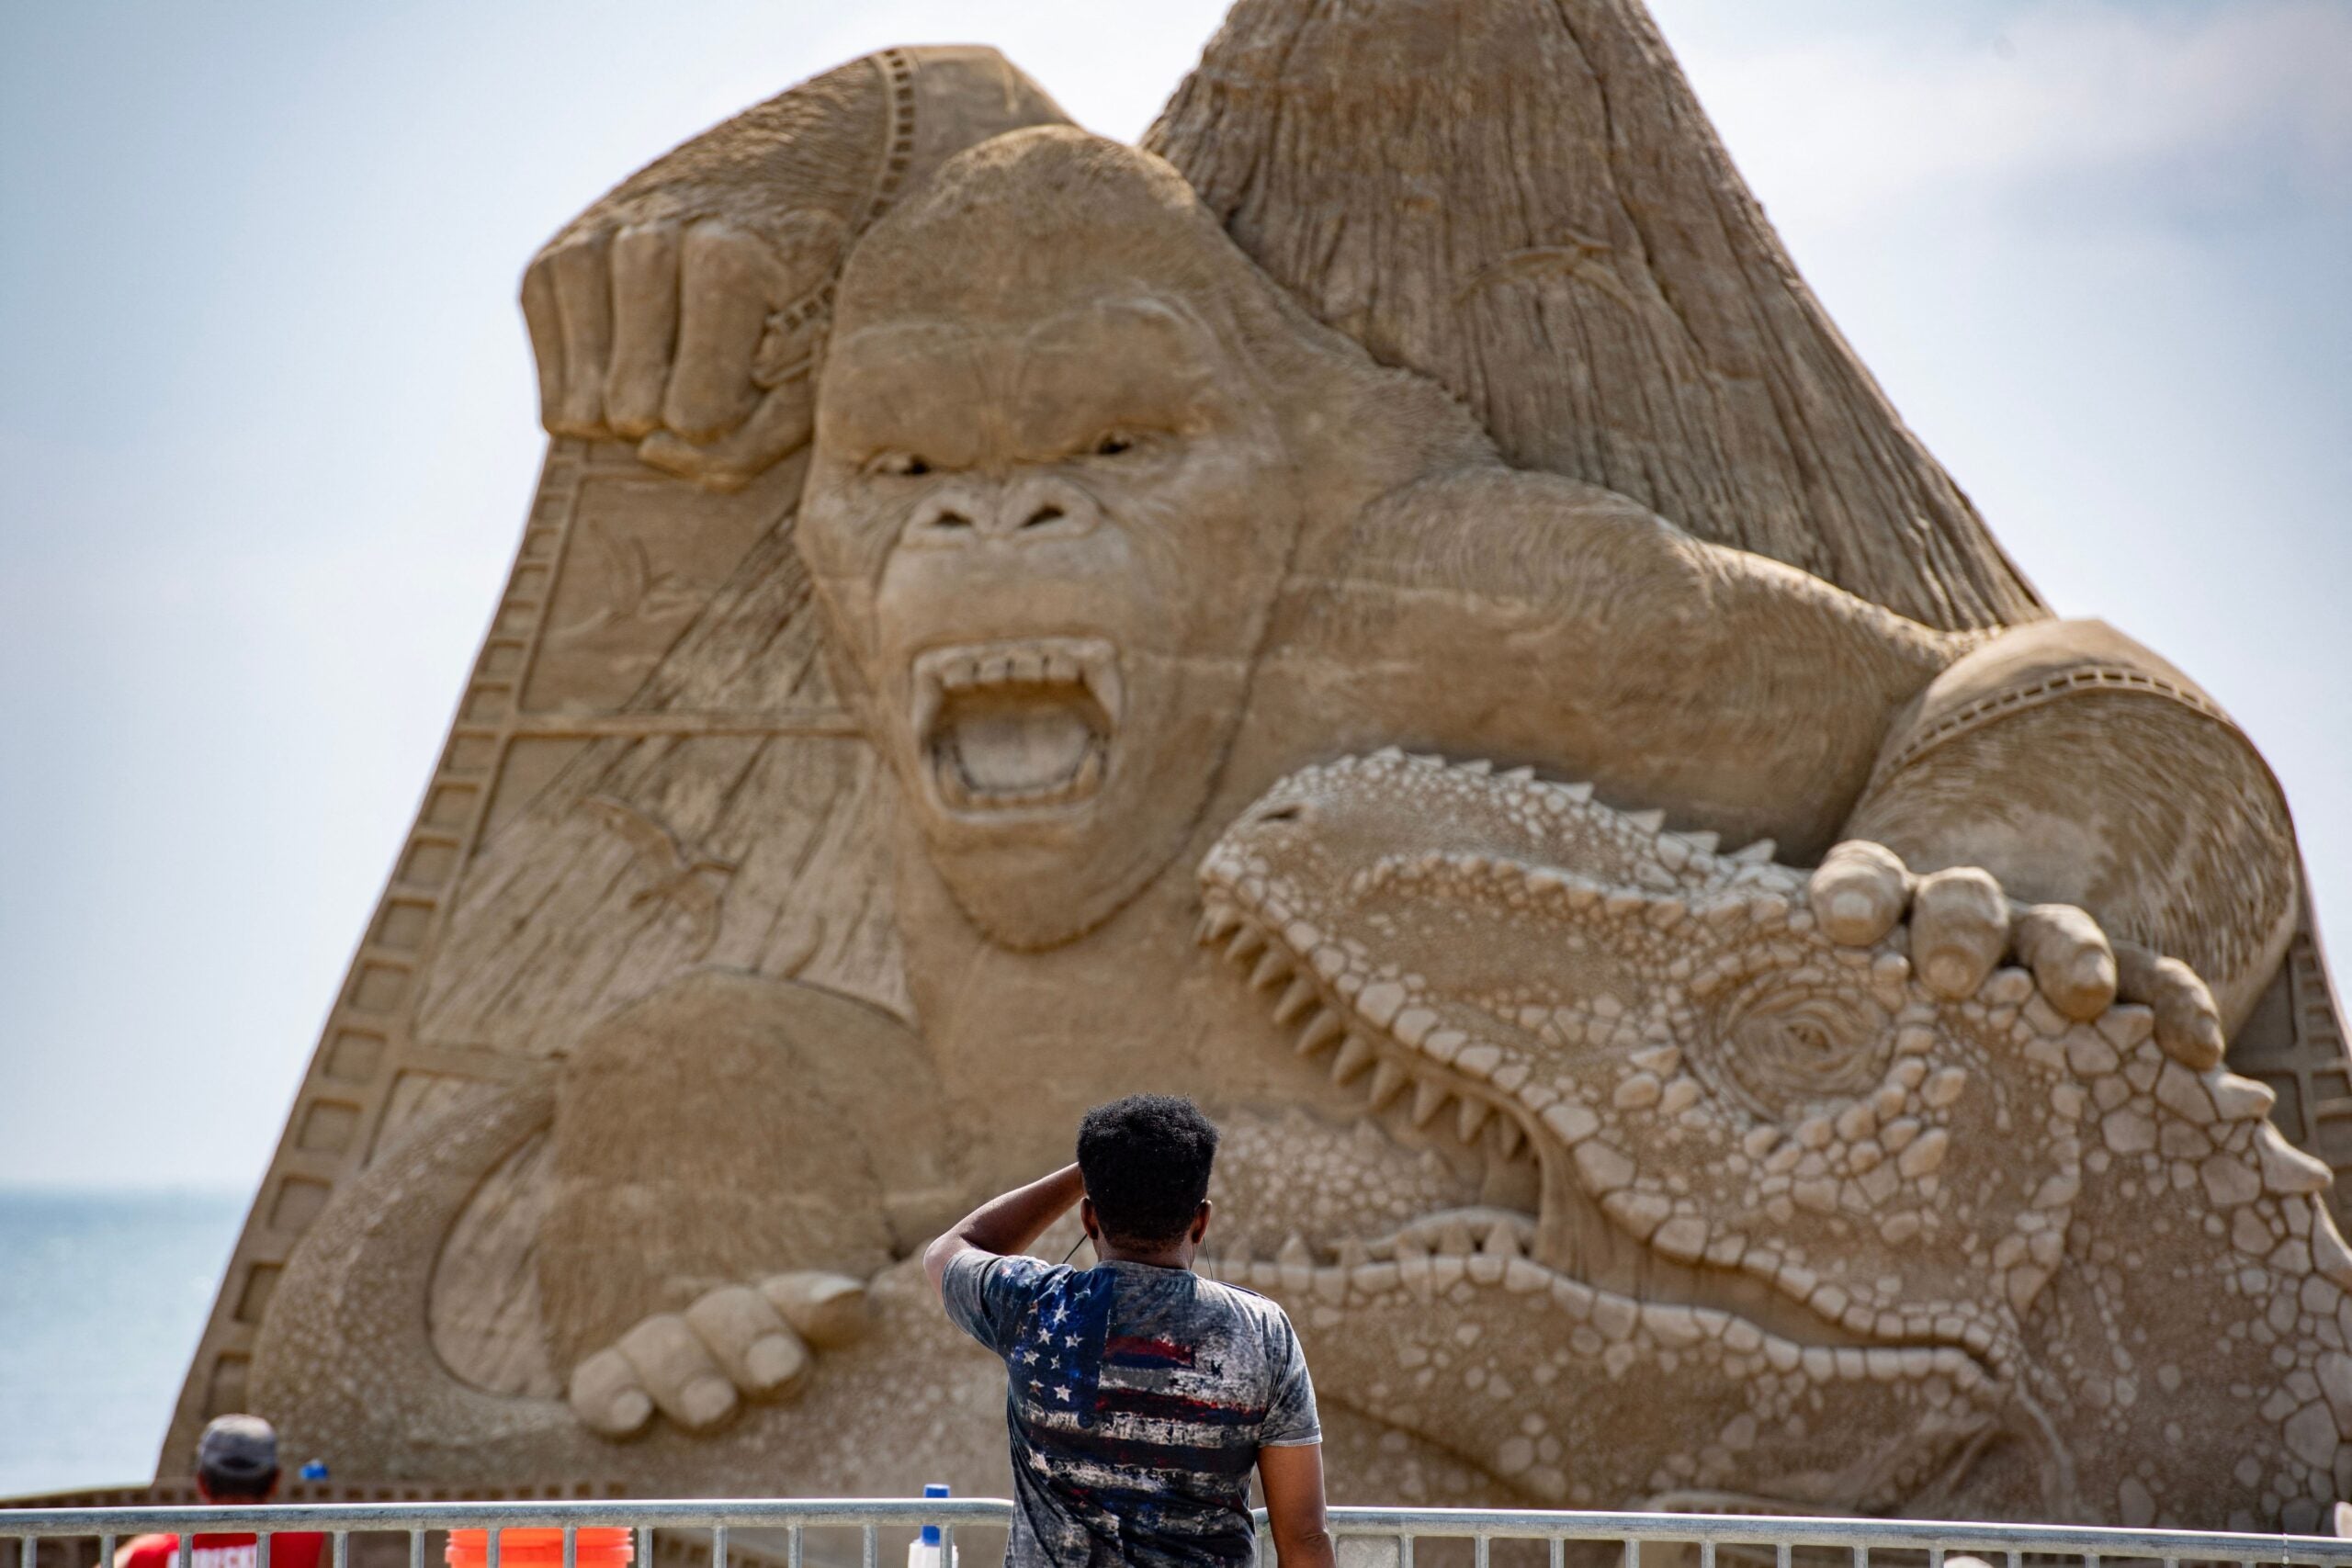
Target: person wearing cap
x=236, y=1465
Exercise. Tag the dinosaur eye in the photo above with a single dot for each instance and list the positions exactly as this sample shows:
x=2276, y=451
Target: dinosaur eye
x=1782, y=1044
x=900, y=465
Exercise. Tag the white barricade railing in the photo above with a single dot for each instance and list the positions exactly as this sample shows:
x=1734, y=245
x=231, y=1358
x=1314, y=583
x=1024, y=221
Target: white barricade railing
x=1704, y=1535
x=2003, y=1546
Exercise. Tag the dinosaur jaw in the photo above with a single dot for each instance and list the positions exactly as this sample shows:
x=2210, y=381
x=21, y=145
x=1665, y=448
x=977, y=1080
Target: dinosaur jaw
x=1470, y=1349
x=1591, y=1252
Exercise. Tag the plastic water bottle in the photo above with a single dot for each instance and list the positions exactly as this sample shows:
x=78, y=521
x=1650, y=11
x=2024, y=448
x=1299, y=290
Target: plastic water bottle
x=925, y=1550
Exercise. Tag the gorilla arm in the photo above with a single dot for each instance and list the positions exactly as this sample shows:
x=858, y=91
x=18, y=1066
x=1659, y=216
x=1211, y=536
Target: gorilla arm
x=1529, y=618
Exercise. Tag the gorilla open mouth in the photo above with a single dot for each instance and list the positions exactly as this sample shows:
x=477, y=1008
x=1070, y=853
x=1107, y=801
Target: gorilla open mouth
x=1024, y=725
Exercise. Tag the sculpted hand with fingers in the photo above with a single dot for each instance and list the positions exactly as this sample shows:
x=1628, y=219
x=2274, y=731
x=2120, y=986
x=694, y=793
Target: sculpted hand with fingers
x=736, y=1343
x=1961, y=927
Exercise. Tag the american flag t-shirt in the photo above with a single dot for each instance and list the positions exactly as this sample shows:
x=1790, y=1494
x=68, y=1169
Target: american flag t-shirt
x=1137, y=1398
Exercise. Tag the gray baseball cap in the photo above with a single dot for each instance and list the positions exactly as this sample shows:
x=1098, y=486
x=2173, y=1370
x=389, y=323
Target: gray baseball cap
x=237, y=1449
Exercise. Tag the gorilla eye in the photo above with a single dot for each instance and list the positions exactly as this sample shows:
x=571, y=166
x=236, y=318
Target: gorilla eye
x=900, y=465
x=1290, y=812
x=1113, y=442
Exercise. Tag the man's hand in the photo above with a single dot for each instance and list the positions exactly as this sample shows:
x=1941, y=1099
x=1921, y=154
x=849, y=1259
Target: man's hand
x=1293, y=1478
x=737, y=1342
x=1007, y=1222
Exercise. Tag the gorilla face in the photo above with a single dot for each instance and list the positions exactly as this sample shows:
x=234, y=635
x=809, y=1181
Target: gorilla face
x=1048, y=541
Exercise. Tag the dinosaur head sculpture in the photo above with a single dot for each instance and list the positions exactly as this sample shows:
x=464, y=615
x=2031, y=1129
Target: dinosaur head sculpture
x=1808, y=1234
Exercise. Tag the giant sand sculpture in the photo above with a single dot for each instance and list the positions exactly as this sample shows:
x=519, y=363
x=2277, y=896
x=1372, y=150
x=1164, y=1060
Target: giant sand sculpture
x=955, y=524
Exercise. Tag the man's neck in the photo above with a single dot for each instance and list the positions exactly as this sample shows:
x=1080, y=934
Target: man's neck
x=1177, y=1256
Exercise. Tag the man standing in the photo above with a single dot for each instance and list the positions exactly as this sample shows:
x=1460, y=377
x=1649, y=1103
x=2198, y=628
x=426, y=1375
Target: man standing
x=236, y=1465
x=1139, y=1396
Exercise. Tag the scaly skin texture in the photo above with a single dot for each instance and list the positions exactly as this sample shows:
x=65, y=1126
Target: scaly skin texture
x=1809, y=1233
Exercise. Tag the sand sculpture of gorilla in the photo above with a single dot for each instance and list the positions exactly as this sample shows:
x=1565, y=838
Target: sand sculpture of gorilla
x=1110, y=534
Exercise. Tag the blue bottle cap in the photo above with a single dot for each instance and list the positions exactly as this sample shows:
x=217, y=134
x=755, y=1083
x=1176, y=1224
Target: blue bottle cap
x=935, y=1489
x=314, y=1470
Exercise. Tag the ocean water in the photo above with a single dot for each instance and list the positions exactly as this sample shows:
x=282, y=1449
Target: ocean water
x=102, y=1297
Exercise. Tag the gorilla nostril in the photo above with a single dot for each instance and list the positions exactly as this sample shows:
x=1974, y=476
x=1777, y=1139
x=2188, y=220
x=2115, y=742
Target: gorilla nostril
x=1044, y=515
x=1282, y=814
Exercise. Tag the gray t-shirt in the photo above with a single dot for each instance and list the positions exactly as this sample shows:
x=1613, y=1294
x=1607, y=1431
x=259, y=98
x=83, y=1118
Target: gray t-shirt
x=1137, y=1399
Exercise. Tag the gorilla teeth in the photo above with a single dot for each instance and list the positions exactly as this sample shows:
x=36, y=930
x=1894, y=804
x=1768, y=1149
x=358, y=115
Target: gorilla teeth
x=1089, y=662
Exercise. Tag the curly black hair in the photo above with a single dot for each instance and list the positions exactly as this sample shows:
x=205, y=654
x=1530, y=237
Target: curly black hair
x=1146, y=1159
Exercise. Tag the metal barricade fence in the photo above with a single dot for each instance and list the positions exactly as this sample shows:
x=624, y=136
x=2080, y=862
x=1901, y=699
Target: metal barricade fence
x=1702, y=1537
x=1405, y=1530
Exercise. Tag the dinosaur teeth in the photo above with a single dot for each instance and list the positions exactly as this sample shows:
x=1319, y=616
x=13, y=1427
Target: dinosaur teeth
x=1320, y=1031
x=1454, y=1238
x=1650, y=822
x=1761, y=853
x=1702, y=840
x=1388, y=1080
x=1502, y=1240
x=1576, y=791
x=1509, y=1137
x=1245, y=944
x=1471, y=1117
x=1217, y=921
x=1428, y=1098
x=1295, y=1253
x=1271, y=968
x=1294, y=1000
x=1355, y=1055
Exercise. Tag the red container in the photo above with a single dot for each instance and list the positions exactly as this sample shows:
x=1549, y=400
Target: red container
x=605, y=1548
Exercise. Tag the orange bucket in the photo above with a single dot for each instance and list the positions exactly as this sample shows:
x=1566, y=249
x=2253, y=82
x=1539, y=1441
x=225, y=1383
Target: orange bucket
x=600, y=1548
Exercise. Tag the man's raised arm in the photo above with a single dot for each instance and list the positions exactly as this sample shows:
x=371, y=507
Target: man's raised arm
x=1007, y=1222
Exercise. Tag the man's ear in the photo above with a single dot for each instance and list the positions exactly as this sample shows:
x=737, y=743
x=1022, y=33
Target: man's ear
x=1201, y=1220
x=1086, y=1219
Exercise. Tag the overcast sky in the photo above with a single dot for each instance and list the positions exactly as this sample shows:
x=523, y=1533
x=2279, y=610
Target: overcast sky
x=266, y=421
